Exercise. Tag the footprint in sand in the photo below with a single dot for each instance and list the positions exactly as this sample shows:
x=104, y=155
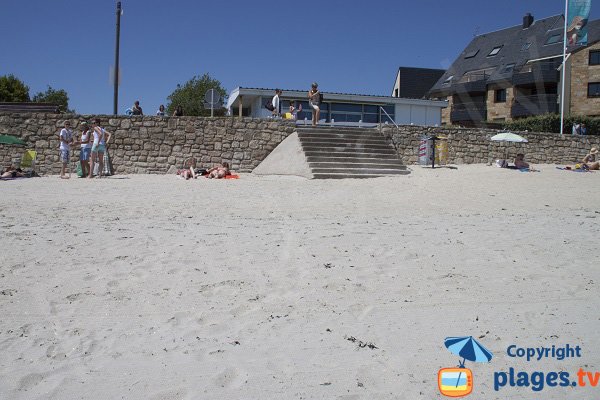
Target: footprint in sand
x=228, y=378
x=29, y=381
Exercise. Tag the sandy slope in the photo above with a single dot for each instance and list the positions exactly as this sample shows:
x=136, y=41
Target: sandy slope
x=151, y=287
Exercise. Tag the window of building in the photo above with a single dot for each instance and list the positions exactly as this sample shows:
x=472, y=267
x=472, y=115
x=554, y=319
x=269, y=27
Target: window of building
x=495, y=51
x=395, y=92
x=554, y=38
x=526, y=46
x=594, y=89
x=507, y=69
x=595, y=57
x=471, y=54
x=500, y=96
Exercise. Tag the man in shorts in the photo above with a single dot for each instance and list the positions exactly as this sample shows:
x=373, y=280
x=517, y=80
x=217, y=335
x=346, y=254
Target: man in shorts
x=66, y=138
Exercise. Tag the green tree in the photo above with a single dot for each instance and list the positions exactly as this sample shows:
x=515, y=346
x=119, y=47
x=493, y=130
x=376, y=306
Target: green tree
x=13, y=90
x=58, y=97
x=190, y=96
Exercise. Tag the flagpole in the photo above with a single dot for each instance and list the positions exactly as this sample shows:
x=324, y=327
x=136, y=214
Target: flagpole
x=564, y=68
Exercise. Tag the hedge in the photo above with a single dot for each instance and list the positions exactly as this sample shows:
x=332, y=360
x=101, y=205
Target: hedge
x=551, y=123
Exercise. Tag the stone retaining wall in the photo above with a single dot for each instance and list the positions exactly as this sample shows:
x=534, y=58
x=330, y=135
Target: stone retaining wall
x=154, y=144
x=150, y=144
x=472, y=145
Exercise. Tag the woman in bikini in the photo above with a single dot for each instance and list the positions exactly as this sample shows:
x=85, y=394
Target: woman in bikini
x=219, y=171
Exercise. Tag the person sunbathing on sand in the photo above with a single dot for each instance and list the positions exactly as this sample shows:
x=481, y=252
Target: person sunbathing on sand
x=12, y=172
x=219, y=171
x=520, y=161
x=190, y=172
x=591, y=161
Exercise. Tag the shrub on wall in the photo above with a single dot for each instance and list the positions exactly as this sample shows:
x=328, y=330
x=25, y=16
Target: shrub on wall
x=551, y=123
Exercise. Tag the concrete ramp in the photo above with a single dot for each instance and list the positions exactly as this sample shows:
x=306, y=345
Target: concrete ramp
x=287, y=159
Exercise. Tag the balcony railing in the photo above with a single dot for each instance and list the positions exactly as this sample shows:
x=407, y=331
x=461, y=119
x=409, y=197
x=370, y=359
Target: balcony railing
x=530, y=74
x=468, y=112
x=472, y=83
x=525, y=106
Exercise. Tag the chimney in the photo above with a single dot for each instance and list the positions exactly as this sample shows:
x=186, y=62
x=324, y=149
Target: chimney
x=527, y=20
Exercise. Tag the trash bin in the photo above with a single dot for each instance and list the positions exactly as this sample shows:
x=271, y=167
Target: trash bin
x=433, y=150
x=441, y=151
x=424, y=151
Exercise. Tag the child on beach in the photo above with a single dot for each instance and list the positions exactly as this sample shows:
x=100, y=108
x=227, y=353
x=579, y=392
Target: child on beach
x=66, y=138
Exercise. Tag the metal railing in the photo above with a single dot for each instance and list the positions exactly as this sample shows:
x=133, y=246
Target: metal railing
x=387, y=115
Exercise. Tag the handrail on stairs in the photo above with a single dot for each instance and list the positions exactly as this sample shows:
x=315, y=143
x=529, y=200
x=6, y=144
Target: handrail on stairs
x=388, y=115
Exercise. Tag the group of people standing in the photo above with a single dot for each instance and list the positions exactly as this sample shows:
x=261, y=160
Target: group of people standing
x=314, y=100
x=136, y=109
x=93, y=142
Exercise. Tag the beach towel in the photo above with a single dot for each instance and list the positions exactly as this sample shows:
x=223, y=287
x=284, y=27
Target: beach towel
x=230, y=176
x=573, y=170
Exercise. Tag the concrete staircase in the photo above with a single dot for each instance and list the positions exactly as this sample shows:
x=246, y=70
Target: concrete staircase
x=336, y=153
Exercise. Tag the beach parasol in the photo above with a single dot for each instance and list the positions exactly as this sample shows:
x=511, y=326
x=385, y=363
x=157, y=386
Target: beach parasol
x=467, y=348
x=508, y=137
x=8, y=139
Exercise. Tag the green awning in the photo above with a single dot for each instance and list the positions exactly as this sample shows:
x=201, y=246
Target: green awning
x=8, y=139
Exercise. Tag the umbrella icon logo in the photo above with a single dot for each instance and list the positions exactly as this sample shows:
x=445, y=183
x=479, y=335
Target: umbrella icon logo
x=458, y=382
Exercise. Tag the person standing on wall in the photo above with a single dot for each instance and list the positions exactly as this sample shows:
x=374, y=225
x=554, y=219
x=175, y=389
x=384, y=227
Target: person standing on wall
x=314, y=99
x=66, y=138
x=276, y=104
x=136, y=109
x=178, y=112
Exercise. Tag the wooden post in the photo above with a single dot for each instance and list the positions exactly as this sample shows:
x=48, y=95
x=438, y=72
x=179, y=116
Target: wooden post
x=240, y=107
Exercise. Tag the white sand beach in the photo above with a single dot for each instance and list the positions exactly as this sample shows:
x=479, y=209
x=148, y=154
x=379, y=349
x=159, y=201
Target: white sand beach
x=152, y=287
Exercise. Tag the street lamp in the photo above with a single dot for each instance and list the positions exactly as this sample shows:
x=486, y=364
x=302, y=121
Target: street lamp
x=116, y=95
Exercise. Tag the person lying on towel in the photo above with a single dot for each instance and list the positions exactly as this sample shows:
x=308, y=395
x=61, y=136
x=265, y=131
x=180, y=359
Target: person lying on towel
x=12, y=172
x=219, y=171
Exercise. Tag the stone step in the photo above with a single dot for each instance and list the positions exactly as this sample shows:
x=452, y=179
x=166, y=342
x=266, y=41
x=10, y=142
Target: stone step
x=337, y=153
x=362, y=171
x=383, y=159
x=309, y=151
x=371, y=136
x=349, y=165
x=351, y=176
x=335, y=129
x=354, y=146
x=342, y=139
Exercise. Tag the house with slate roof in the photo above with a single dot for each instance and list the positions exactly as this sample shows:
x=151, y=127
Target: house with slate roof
x=516, y=72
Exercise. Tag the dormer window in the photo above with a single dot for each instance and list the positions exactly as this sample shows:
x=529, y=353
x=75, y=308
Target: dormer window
x=495, y=51
x=471, y=54
x=448, y=80
x=526, y=46
x=507, y=69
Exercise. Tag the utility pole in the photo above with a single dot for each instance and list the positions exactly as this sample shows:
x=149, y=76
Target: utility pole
x=116, y=96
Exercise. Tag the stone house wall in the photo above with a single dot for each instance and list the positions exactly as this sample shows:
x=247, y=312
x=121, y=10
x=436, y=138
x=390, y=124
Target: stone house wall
x=499, y=111
x=581, y=74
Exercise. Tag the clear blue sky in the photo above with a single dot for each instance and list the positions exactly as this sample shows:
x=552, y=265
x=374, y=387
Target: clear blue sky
x=347, y=46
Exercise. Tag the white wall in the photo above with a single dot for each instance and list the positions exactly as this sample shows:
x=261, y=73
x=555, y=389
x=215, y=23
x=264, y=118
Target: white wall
x=407, y=114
